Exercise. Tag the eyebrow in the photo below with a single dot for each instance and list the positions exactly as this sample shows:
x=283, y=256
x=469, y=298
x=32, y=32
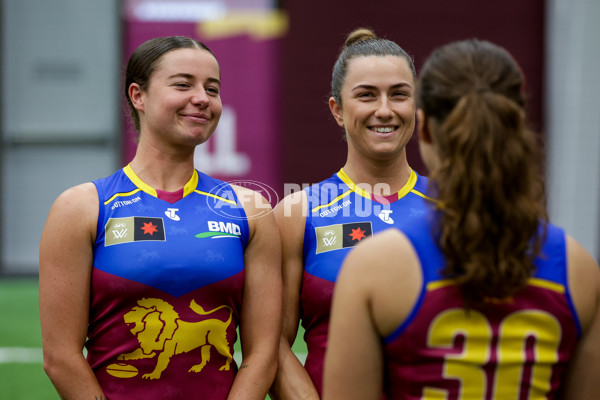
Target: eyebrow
x=190, y=76
x=397, y=86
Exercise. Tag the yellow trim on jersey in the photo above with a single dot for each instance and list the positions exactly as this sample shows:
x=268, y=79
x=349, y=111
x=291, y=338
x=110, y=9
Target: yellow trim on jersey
x=543, y=283
x=406, y=189
x=440, y=284
x=138, y=182
x=341, y=196
x=346, y=179
x=216, y=197
x=192, y=184
x=122, y=194
x=426, y=197
x=409, y=186
x=189, y=187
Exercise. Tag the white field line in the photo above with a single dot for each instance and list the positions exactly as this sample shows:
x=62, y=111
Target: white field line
x=33, y=355
x=22, y=355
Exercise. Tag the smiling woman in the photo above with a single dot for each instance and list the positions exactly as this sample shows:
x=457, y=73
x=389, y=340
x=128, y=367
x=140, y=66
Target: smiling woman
x=372, y=100
x=125, y=269
x=376, y=108
x=183, y=98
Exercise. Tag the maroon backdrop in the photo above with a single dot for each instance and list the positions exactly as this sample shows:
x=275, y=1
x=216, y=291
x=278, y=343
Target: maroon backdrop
x=313, y=147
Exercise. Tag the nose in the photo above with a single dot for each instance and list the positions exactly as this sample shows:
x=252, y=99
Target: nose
x=384, y=108
x=199, y=97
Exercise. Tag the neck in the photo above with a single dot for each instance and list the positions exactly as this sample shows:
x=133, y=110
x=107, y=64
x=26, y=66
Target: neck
x=162, y=170
x=382, y=177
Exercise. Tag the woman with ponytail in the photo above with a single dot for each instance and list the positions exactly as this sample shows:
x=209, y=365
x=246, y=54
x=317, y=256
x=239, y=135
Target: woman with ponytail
x=485, y=299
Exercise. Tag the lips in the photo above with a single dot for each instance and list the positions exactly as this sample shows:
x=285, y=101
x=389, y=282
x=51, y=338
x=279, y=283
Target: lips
x=196, y=117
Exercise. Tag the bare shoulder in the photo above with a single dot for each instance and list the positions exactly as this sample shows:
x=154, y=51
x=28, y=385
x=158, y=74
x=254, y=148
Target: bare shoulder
x=259, y=212
x=254, y=203
x=292, y=207
x=584, y=281
x=72, y=220
x=386, y=268
x=379, y=250
x=81, y=200
x=290, y=215
x=383, y=258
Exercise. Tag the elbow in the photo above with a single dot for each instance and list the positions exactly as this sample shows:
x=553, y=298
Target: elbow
x=56, y=363
x=266, y=360
x=51, y=364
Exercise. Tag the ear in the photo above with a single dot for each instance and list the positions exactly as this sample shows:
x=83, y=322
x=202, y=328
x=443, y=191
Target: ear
x=135, y=95
x=336, y=111
x=423, y=127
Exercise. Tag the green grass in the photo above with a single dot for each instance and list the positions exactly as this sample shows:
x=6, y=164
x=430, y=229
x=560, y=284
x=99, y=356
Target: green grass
x=20, y=328
x=19, y=299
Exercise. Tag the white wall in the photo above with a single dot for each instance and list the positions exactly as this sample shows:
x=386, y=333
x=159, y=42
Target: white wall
x=60, y=112
x=573, y=118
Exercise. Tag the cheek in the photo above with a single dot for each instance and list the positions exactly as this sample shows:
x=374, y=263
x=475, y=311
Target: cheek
x=216, y=106
x=408, y=110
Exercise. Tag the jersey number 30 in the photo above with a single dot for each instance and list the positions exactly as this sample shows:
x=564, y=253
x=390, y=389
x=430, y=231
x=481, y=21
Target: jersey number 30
x=511, y=352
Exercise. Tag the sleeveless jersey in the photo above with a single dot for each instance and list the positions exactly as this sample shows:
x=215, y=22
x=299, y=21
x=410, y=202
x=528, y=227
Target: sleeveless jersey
x=515, y=348
x=166, y=289
x=339, y=216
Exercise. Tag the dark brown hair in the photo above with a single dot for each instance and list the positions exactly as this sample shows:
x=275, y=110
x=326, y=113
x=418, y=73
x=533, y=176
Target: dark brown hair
x=145, y=59
x=363, y=42
x=492, y=217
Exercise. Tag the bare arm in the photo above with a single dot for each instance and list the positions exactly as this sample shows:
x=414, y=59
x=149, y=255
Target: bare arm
x=353, y=362
x=373, y=296
x=292, y=381
x=261, y=302
x=584, y=281
x=64, y=291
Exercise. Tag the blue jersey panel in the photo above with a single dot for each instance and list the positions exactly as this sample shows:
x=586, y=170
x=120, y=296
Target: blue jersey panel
x=177, y=247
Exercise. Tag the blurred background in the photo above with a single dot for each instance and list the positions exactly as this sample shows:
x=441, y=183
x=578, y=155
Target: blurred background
x=64, y=120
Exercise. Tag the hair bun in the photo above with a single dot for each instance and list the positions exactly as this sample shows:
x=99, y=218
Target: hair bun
x=358, y=35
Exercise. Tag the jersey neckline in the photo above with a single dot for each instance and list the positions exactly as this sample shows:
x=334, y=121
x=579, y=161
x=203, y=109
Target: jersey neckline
x=188, y=188
x=408, y=186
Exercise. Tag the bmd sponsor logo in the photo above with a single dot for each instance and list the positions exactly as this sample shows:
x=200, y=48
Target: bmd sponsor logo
x=220, y=229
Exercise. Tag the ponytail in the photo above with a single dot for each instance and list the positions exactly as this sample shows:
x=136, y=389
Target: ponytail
x=488, y=180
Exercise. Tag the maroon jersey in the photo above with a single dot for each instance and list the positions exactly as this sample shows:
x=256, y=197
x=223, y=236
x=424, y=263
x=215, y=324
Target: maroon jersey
x=517, y=348
x=166, y=289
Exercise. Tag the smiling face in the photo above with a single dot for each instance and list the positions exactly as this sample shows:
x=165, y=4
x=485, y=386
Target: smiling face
x=378, y=108
x=182, y=104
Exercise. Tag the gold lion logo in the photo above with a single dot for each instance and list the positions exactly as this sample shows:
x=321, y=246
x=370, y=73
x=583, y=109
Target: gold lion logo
x=160, y=331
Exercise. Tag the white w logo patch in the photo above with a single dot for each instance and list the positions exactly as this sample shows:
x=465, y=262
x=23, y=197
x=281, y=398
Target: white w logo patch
x=329, y=241
x=119, y=234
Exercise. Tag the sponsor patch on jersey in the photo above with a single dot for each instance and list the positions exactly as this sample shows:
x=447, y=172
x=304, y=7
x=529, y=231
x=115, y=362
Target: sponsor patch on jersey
x=220, y=229
x=134, y=229
x=341, y=236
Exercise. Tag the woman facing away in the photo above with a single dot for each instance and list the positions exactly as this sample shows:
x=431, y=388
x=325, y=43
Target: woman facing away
x=153, y=268
x=484, y=299
x=373, y=84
